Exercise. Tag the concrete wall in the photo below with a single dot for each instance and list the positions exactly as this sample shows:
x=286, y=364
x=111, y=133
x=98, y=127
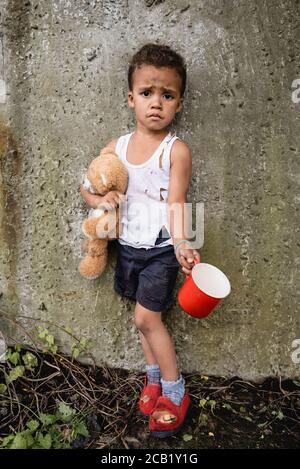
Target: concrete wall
x=63, y=97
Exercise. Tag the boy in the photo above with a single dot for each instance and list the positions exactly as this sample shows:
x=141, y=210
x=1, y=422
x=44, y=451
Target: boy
x=152, y=244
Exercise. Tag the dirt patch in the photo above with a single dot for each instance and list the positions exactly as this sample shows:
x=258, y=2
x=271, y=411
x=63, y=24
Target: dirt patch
x=233, y=414
x=226, y=413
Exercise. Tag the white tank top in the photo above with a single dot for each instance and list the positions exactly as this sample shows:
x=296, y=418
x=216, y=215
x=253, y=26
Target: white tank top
x=144, y=214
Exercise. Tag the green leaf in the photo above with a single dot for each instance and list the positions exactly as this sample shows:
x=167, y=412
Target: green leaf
x=45, y=441
x=29, y=439
x=202, y=402
x=8, y=439
x=75, y=352
x=280, y=415
x=15, y=373
x=33, y=425
x=83, y=342
x=30, y=361
x=80, y=429
x=263, y=424
x=20, y=442
x=228, y=407
x=262, y=410
x=65, y=412
x=203, y=420
x=47, y=419
x=54, y=348
x=43, y=333
x=187, y=437
x=212, y=404
x=297, y=383
x=3, y=388
x=248, y=418
x=50, y=339
x=13, y=358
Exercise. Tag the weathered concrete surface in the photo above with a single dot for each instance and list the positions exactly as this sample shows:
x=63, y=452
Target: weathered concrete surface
x=64, y=67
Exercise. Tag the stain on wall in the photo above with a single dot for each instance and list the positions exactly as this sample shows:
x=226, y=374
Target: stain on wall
x=10, y=223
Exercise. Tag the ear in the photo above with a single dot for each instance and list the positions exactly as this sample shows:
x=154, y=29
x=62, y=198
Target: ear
x=130, y=99
x=180, y=105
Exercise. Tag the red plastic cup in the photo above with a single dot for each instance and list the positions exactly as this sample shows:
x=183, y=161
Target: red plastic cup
x=203, y=290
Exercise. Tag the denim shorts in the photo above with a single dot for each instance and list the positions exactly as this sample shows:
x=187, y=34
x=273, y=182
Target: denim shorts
x=146, y=275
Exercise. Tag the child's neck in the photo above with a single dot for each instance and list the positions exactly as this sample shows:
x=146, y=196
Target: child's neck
x=142, y=133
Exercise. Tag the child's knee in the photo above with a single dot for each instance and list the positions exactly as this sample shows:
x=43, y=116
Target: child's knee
x=146, y=323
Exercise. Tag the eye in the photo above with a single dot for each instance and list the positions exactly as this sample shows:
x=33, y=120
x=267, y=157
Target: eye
x=168, y=96
x=145, y=93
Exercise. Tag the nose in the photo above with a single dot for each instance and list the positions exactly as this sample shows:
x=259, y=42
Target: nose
x=156, y=102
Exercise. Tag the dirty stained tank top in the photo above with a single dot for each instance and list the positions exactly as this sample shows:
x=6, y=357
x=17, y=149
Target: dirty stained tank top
x=144, y=214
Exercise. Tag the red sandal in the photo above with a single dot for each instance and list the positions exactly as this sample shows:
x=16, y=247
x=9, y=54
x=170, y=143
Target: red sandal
x=148, y=398
x=170, y=425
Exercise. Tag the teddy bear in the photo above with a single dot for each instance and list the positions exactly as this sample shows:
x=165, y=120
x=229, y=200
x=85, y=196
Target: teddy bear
x=105, y=173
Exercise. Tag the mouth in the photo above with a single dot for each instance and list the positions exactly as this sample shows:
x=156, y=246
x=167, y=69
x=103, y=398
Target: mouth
x=154, y=116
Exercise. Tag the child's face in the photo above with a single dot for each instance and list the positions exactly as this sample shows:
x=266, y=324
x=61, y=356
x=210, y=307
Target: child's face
x=155, y=96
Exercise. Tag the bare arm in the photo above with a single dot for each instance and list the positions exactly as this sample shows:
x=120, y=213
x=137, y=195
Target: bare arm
x=180, y=174
x=92, y=200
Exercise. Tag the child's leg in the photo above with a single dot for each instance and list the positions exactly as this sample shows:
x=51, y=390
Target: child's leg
x=158, y=348
x=150, y=358
x=152, y=367
x=157, y=342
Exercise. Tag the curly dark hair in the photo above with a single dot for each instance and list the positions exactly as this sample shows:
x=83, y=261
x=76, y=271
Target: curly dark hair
x=159, y=56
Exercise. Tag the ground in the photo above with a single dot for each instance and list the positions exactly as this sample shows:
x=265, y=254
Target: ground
x=231, y=414
x=52, y=401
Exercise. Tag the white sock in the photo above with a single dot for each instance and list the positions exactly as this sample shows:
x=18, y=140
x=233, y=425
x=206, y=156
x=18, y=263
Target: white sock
x=153, y=374
x=174, y=390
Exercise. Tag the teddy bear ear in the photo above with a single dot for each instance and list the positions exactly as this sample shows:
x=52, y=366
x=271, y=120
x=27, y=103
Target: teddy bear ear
x=103, y=179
